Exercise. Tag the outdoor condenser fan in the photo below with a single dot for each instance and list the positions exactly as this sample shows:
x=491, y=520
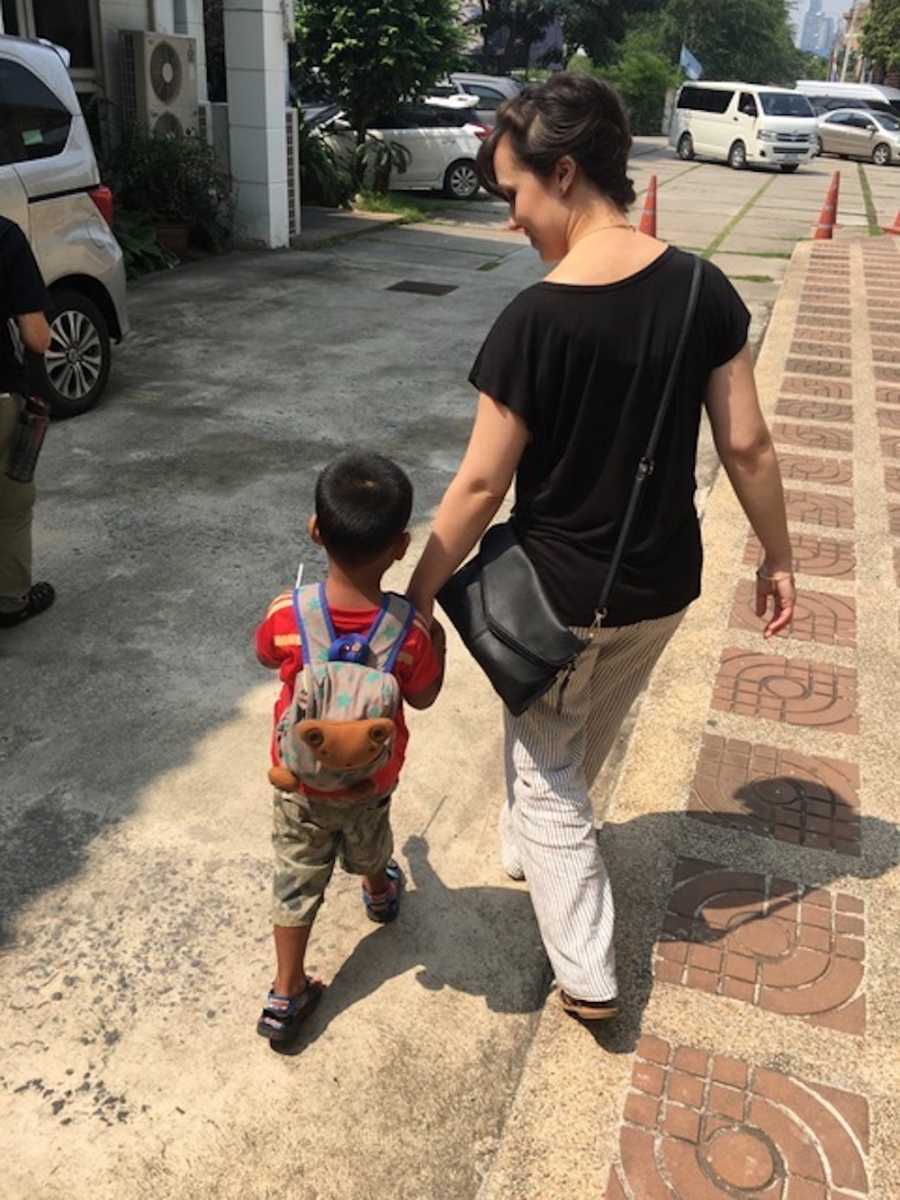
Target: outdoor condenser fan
x=165, y=72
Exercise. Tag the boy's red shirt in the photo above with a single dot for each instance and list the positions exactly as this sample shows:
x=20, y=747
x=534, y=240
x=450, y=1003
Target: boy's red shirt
x=278, y=646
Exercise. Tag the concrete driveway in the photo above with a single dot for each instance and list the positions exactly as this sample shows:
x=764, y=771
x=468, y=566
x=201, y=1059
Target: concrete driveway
x=134, y=814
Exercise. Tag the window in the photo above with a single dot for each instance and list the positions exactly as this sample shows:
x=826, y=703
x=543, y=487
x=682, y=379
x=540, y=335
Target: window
x=890, y=123
x=489, y=96
x=838, y=118
x=785, y=104
x=10, y=17
x=67, y=22
x=748, y=105
x=859, y=121
x=712, y=100
x=33, y=122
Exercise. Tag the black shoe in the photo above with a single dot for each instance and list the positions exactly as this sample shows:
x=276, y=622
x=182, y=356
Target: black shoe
x=40, y=597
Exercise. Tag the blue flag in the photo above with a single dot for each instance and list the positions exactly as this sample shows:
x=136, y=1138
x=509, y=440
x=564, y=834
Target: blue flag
x=690, y=65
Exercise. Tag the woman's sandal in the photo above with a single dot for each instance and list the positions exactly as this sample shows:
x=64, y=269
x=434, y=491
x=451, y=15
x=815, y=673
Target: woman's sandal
x=589, y=1010
x=40, y=597
x=383, y=909
x=282, y=1015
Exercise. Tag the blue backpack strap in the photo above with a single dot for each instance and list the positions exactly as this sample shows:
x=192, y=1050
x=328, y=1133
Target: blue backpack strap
x=391, y=631
x=313, y=622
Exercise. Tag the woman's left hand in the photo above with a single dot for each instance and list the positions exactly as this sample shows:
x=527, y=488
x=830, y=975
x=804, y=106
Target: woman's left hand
x=424, y=605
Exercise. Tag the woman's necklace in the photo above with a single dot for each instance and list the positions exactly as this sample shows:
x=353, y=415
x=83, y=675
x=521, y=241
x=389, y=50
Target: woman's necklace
x=604, y=229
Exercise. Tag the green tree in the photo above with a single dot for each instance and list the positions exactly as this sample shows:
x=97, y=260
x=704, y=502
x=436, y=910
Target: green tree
x=735, y=39
x=881, y=35
x=643, y=78
x=598, y=26
x=373, y=53
x=509, y=28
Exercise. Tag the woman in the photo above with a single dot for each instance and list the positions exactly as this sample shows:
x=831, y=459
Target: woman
x=569, y=381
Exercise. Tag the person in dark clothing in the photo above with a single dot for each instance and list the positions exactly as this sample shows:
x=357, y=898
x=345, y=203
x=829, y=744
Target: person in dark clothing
x=569, y=380
x=23, y=301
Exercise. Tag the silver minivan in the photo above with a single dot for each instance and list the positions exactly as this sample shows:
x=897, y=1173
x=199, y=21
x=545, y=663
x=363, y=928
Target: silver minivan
x=50, y=186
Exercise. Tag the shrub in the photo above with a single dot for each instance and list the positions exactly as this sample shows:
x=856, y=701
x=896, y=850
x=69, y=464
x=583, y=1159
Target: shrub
x=326, y=177
x=643, y=78
x=140, y=248
x=174, y=178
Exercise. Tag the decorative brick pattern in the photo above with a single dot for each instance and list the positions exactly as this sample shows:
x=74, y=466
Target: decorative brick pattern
x=885, y=356
x=818, y=366
x=830, y=389
x=738, y=1130
x=885, y=326
x=837, y=472
x=840, y=337
x=887, y=395
x=825, y=310
x=818, y=617
x=814, y=348
x=888, y=374
x=806, y=316
x=781, y=946
x=894, y=518
x=815, y=437
x=777, y=793
x=797, y=692
x=819, y=508
x=885, y=341
x=818, y=556
x=890, y=447
x=897, y=564
x=892, y=479
x=889, y=418
x=813, y=410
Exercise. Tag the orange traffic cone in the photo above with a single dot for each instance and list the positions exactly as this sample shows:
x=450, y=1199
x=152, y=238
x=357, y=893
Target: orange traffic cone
x=824, y=231
x=648, y=216
x=895, y=228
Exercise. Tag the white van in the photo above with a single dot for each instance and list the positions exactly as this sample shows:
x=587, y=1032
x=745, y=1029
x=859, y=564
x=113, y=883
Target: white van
x=826, y=97
x=741, y=123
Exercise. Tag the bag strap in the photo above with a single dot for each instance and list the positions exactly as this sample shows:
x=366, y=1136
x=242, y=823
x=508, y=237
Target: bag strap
x=647, y=463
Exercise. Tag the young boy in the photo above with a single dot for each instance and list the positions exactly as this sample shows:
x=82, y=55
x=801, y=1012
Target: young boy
x=363, y=506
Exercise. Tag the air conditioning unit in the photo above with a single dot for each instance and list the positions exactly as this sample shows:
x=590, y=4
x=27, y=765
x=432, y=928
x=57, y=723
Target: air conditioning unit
x=159, y=81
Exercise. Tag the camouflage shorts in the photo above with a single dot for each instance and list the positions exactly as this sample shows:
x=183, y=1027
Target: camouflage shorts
x=308, y=838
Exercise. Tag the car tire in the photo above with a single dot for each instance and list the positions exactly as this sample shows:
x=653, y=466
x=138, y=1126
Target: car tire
x=686, y=148
x=737, y=156
x=461, y=180
x=789, y=168
x=881, y=155
x=74, y=371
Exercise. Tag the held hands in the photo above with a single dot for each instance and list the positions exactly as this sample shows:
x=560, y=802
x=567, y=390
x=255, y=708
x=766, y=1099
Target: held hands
x=779, y=585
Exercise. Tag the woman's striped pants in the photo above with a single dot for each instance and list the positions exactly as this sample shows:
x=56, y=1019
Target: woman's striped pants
x=547, y=827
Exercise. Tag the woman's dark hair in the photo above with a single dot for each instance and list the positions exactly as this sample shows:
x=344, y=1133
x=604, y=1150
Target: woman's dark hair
x=571, y=114
x=363, y=504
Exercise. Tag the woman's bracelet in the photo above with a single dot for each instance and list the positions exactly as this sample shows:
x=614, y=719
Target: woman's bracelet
x=776, y=578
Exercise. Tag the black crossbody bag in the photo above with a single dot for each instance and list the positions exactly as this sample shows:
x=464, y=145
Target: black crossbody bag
x=496, y=601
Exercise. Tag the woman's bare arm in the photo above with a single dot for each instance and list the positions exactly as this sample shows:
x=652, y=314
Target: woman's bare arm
x=497, y=442
x=744, y=445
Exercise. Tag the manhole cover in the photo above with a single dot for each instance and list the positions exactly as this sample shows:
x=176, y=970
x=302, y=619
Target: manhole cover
x=422, y=288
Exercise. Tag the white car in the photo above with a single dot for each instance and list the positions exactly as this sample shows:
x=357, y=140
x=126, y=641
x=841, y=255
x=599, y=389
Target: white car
x=442, y=140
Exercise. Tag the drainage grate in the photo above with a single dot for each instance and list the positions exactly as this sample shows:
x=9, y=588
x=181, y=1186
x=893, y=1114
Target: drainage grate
x=421, y=288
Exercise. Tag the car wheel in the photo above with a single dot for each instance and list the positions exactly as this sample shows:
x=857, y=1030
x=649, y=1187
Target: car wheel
x=789, y=168
x=75, y=369
x=737, y=156
x=881, y=155
x=461, y=180
x=686, y=147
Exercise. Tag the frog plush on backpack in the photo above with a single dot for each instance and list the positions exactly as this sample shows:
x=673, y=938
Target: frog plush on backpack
x=338, y=731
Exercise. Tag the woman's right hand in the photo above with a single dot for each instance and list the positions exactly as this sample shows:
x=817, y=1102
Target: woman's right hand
x=780, y=587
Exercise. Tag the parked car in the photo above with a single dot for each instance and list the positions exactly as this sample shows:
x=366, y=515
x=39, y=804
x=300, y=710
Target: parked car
x=50, y=186
x=851, y=133
x=442, y=141
x=490, y=90
x=743, y=123
x=825, y=96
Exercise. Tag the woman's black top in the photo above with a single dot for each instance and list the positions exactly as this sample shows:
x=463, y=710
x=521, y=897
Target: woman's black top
x=584, y=367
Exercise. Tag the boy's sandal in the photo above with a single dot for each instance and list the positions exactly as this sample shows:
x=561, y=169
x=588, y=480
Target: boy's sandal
x=40, y=597
x=384, y=908
x=589, y=1010
x=283, y=1014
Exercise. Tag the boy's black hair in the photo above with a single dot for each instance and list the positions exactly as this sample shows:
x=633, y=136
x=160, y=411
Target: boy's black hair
x=363, y=503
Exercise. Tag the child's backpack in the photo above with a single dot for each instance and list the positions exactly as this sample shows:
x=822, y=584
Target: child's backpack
x=338, y=731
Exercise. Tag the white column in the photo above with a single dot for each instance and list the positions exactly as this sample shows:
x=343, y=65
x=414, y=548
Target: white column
x=255, y=60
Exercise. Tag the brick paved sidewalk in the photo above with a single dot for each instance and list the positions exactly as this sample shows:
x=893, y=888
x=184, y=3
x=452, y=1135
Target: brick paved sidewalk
x=752, y=833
